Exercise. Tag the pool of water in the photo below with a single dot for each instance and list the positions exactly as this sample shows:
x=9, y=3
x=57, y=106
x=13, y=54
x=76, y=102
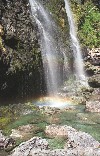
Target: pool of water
x=75, y=116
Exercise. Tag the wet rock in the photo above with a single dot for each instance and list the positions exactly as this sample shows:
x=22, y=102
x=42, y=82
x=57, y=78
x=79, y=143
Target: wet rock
x=93, y=106
x=91, y=69
x=84, y=52
x=94, y=81
x=95, y=56
x=79, y=100
x=49, y=110
x=95, y=96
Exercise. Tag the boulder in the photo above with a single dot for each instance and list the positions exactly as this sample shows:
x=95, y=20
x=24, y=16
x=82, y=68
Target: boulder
x=95, y=56
x=74, y=138
x=77, y=144
x=62, y=152
x=49, y=110
x=69, y=152
x=91, y=69
x=81, y=139
x=56, y=131
x=25, y=148
x=6, y=142
x=94, y=81
x=93, y=106
x=24, y=131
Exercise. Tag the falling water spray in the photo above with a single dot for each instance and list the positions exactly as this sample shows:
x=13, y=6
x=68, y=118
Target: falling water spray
x=48, y=46
x=79, y=66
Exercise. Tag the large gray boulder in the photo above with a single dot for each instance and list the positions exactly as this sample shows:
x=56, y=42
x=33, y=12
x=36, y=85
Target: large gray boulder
x=34, y=143
x=77, y=144
x=74, y=138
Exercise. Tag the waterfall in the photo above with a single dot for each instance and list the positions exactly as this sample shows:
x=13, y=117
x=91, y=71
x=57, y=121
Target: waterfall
x=79, y=66
x=50, y=54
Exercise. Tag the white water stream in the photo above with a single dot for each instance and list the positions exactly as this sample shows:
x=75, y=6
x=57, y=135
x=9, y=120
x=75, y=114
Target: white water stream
x=51, y=56
x=48, y=46
x=79, y=66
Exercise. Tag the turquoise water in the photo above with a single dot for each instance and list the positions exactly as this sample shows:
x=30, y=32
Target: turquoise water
x=75, y=116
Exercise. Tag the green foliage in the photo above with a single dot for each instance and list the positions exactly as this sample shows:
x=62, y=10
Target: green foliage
x=4, y=121
x=87, y=17
x=7, y=115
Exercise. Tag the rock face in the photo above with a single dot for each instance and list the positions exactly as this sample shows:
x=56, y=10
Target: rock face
x=92, y=67
x=20, y=56
x=94, y=81
x=34, y=143
x=5, y=142
x=95, y=56
x=56, y=131
x=69, y=152
x=75, y=138
x=93, y=106
x=77, y=144
x=19, y=31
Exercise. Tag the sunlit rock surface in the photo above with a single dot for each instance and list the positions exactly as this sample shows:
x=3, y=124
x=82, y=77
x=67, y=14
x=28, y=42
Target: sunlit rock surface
x=77, y=143
x=93, y=106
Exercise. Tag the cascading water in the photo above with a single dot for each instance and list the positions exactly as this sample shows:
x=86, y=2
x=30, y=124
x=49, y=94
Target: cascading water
x=80, y=74
x=50, y=54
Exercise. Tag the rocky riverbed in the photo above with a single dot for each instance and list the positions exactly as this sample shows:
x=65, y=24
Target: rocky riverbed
x=75, y=143
x=48, y=131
